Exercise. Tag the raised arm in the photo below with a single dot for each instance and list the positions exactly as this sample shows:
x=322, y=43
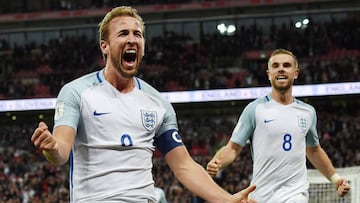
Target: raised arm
x=225, y=156
x=56, y=147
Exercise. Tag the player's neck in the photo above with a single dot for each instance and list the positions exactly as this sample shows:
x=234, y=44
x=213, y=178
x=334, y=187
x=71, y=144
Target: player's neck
x=122, y=84
x=284, y=98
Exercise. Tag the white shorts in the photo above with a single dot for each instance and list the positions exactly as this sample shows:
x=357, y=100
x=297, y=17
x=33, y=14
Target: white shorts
x=299, y=198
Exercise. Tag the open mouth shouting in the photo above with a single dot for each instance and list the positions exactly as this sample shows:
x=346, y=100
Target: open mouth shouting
x=129, y=63
x=130, y=57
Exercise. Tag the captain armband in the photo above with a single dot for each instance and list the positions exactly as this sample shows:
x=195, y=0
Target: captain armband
x=168, y=141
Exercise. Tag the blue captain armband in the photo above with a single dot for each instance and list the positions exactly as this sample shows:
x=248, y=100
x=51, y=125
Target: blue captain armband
x=168, y=141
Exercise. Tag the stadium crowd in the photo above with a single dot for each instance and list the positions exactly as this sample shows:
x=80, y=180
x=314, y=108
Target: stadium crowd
x=328, y=52
x=25, y=6
x=26, y=176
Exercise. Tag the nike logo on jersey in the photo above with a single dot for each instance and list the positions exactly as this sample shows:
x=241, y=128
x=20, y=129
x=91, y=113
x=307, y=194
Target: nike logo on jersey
x=268, y=121
x=100, y=113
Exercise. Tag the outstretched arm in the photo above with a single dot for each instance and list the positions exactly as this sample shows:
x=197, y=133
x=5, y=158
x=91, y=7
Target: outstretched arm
x=320, y=160
x=194, y=177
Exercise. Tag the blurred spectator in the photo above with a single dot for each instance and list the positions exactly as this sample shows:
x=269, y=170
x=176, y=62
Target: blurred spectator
x=40, y=71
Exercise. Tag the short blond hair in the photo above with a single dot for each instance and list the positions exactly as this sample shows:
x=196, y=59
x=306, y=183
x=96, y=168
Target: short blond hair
x=115, y=12
x=283, y=51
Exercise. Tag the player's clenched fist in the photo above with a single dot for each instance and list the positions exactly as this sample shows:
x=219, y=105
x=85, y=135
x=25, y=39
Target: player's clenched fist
x=342, y=186
x=42, y=138
x=213, y=167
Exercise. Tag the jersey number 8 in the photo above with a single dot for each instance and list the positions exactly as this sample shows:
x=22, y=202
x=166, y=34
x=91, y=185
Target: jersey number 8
x=287, y=145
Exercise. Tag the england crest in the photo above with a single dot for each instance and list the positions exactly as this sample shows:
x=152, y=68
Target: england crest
x=149, y=119
x=302, y=123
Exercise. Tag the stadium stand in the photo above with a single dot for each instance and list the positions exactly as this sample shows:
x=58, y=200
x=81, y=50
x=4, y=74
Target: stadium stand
x=40, y=71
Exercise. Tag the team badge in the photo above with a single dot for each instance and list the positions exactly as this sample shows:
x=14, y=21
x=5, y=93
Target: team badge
x=59, y=110
x=149, y=119
x=302, y=123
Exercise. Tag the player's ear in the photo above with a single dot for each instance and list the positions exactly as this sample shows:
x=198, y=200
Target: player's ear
x=143, y=50
x=296, y=73
x=104, y=46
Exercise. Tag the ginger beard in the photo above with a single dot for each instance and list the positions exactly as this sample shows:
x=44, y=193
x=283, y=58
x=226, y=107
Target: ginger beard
x=282, y=83
x=127, y=64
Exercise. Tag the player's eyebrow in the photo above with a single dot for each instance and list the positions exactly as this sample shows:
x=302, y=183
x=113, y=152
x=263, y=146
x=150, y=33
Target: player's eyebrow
x=287, y=64
x=277, y=64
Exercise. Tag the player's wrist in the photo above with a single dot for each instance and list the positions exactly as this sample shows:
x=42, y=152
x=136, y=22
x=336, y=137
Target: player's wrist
x=334, y=178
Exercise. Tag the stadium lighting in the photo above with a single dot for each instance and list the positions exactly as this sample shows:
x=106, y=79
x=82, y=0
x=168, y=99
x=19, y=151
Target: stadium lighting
x=222, y=28
x=302, y=24
x=305, y=21
x=226, y=29
x=231, y=29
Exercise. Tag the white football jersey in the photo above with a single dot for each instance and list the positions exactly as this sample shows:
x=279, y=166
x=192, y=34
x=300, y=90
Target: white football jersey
x=111, y=159
x=160, y=195
x=278, y=136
